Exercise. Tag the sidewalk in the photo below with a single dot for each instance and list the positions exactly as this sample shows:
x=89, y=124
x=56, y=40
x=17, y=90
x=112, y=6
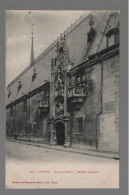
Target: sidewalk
x=74, y=149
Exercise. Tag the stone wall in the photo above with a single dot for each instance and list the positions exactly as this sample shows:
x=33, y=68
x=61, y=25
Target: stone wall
x=109, y=120
x=31, y=122
x=89, y=109
x=38, y=120
x=100, y=111
x=18, y=122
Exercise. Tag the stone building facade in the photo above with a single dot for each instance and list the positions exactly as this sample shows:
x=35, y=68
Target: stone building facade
x=70, y=93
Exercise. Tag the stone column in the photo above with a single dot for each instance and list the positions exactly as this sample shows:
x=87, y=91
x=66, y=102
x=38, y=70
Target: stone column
x=51, y=97
x=52, y=134
x=65, y=94
x=66, y=119
x=67, y=133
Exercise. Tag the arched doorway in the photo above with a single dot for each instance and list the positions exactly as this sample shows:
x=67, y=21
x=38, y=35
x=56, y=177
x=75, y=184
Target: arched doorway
x=60, y=133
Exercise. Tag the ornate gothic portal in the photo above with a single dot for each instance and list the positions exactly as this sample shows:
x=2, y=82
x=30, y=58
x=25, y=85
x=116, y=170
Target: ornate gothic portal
x=58, y=94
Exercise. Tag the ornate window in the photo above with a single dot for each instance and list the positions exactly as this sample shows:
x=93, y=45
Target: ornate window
x=80, y=79
x=46, y=98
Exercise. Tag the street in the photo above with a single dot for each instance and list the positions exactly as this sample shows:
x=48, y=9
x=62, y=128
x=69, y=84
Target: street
x=21, y=152
x=57, y=168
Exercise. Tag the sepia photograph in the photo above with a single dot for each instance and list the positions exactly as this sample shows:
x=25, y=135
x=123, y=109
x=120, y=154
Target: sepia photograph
x=62, y=99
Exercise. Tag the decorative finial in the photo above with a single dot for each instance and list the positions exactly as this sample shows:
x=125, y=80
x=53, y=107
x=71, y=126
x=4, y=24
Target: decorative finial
x=32, y=48
x=91, y=21
x=32, y=32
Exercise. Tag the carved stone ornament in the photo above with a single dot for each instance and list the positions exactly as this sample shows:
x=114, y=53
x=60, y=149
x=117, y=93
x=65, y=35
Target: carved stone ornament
x=59, y=106
x=61, y=45
x=59, y=83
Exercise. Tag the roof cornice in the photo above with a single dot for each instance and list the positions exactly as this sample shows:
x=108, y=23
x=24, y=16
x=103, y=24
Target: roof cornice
x=95, y=58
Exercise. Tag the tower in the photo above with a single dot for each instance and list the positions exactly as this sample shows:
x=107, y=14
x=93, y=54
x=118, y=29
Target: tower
x=59, y=116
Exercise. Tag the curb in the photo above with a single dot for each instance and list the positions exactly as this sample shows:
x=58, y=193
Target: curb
x=115, y=157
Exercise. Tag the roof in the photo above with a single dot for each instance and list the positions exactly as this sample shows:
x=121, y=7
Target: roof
x=76, y=40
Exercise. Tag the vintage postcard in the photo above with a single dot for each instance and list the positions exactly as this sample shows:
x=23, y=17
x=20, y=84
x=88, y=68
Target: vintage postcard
x=62, y=99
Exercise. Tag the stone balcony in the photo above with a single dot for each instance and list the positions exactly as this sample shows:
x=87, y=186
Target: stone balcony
x=43, y=106
x=77, y=95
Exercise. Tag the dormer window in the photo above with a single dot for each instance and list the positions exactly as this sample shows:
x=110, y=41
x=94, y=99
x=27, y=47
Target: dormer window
x=112, y=36
x=34, y=74
x=90, y=35
x=19, y=85
x=9, y=94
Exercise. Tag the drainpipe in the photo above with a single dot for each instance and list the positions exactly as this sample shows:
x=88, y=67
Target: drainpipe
x=101, y=63
x=13, y=106
x=15, y=120
x=28, y=96
x=71, y=126
x=29, y=117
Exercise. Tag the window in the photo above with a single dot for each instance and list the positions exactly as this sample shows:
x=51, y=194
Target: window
x=34, y=76
x=112, y=36
x=83, y=77
x=77, y=79
x=80, y=79
x=70, y=82
x=25, y=105
x=25, y=130
x=34, y=128
x=90, y=35
x=111, y=40
x=117, y=38
x=80, y=126
x=46, y=98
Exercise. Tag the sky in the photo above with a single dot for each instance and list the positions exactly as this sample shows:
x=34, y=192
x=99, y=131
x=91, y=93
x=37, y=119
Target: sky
x=47, y=27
